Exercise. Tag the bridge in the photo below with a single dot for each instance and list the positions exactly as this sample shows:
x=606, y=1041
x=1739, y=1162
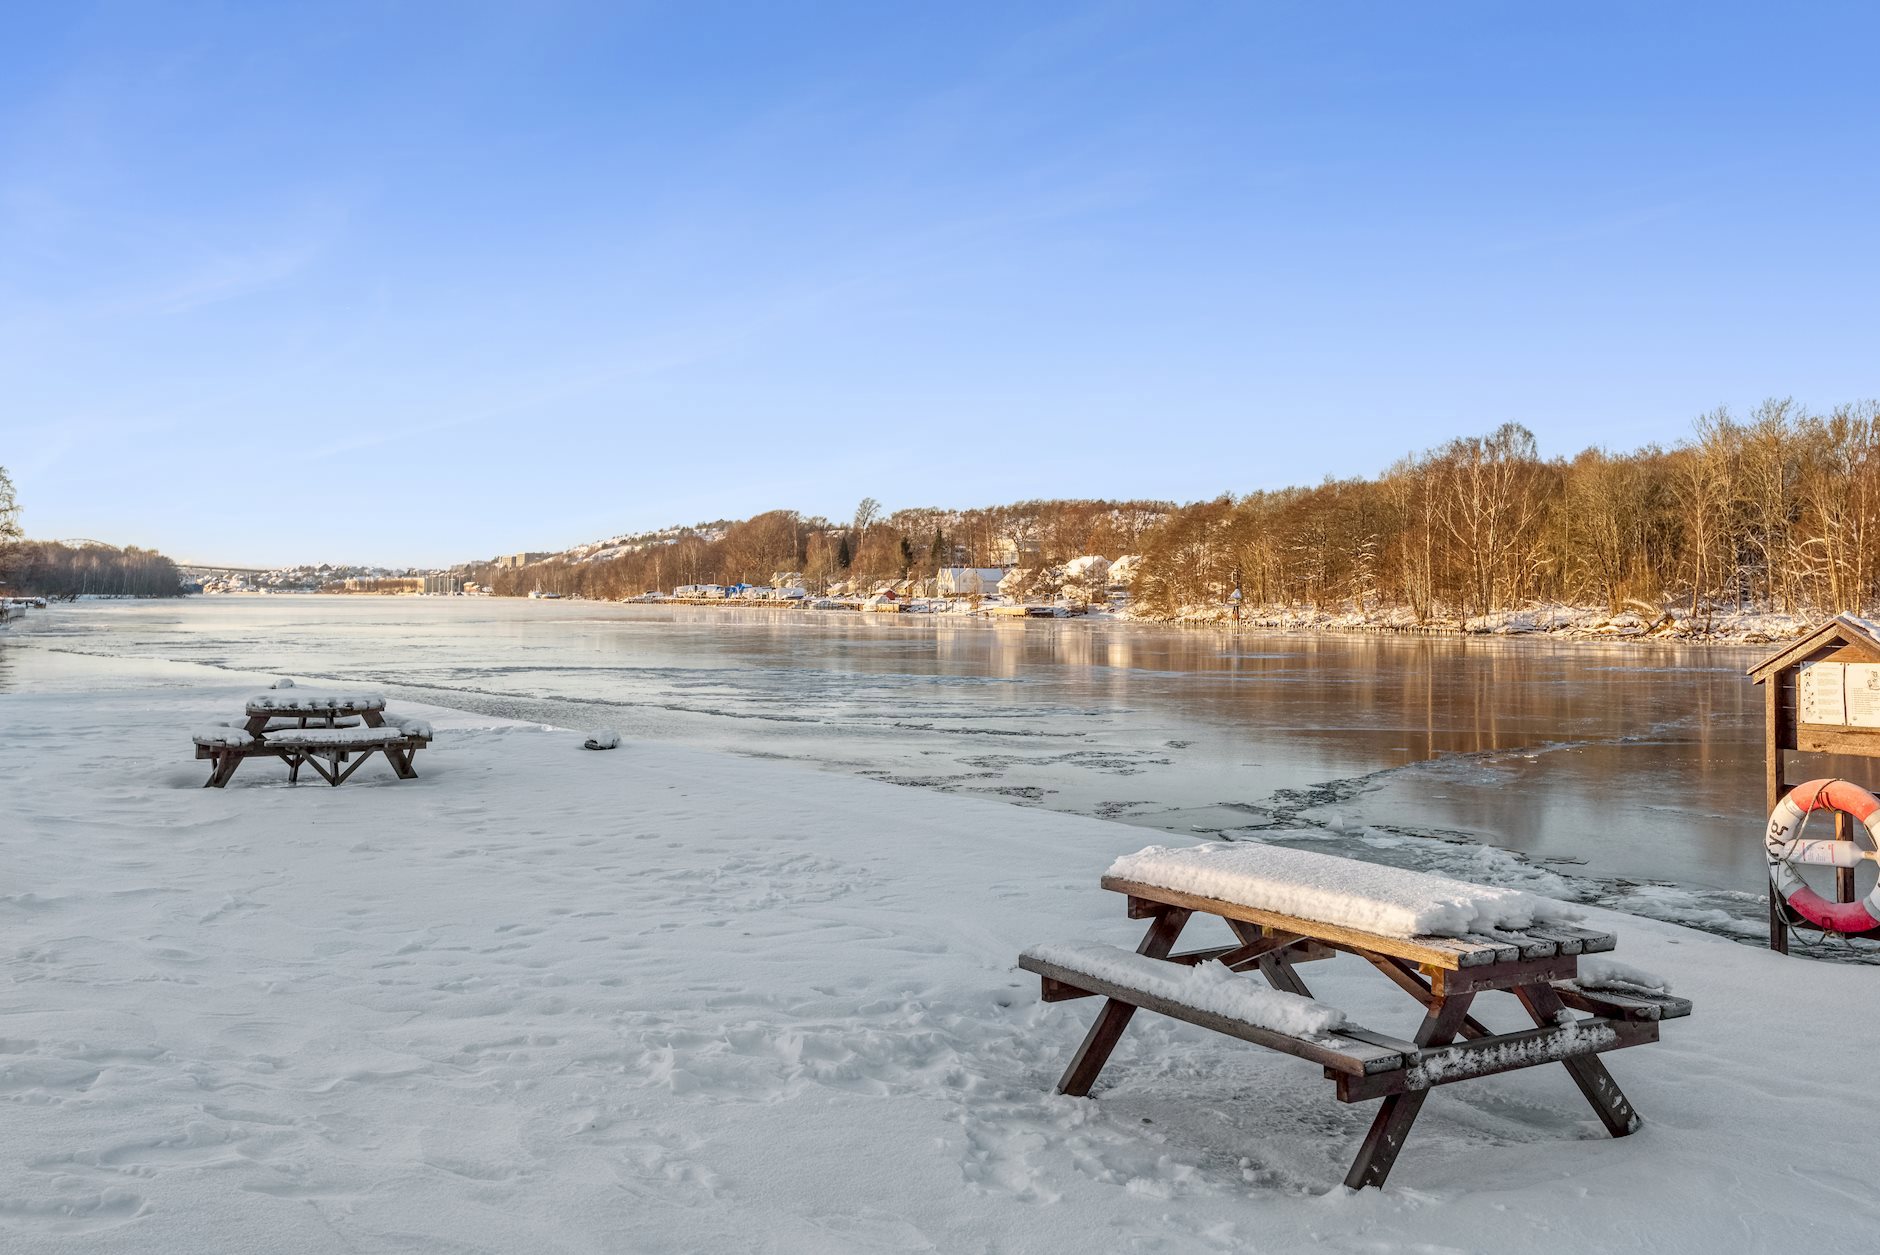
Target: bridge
x=211, y=568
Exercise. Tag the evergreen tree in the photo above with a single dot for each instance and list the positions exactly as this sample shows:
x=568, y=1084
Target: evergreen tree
x=937, y=552
x=843, y=556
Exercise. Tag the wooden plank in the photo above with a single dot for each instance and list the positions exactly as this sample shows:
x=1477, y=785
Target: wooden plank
x=1501, y=1052
x=1506, y=951
x=1622, y=1006
x=1531, y=943
x=1815, y=738
x=1444, y=952
x=1566, y=941
x=1384, y=1041
x=1053, y=990
x=1342, y=1052
x=1446, y=983
x=1591, y=942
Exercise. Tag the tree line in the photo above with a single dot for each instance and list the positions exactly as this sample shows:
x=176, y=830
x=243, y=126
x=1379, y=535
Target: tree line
x=50, y=568
x=1779, y=511
x=1776, y=510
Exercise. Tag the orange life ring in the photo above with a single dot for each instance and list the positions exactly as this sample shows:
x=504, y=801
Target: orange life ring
x=1787, y=848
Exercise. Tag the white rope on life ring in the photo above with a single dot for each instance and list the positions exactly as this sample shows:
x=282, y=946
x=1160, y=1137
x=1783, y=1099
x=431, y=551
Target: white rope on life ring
x=1787, y=848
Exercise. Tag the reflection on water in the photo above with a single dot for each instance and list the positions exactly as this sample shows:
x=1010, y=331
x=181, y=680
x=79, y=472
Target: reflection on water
x=1620, y=764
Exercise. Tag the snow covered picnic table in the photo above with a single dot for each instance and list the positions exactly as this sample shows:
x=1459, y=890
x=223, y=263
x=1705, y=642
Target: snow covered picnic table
x=1441, y=941
x=321, y=730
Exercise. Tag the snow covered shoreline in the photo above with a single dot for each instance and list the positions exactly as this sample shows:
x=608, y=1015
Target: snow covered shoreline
x=663, y=999
x=1577, y=623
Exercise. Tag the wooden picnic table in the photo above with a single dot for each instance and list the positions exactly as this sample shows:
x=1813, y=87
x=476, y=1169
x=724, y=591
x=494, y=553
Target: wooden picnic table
x=320, y=730
x=1538, y=966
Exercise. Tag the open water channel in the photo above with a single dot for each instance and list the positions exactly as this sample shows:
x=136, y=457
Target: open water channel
x=1622, y=774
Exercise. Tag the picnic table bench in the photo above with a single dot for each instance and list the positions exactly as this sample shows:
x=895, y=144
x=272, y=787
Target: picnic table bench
x=320, y=730
x=1537, y=963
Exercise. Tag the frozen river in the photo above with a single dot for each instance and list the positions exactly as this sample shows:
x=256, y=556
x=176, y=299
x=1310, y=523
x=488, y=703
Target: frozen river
x=1632, y=773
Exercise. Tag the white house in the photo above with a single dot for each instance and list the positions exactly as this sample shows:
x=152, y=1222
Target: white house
x=968, y=581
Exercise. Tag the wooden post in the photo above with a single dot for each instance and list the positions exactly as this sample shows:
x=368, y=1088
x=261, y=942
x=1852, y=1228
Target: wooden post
x=1843, y=876
x=1772, y=753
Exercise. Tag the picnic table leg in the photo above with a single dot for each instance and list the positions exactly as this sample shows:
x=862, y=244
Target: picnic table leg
x=225, y=764
x=1398, y=1112
x=1115, y=1016
x=359, y=762
x=1602, y=1092
x=293, y=768
x=319, y=768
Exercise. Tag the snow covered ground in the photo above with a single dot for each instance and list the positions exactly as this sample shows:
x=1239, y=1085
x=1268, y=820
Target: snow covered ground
x=1589, y=623
x=664, y=999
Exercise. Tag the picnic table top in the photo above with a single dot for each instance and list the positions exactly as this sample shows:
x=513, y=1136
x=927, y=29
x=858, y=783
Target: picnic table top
x=312, y=702
x=1476, y=949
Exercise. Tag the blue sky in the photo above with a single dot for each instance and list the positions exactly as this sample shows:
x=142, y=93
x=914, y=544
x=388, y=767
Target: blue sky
x=419, y=283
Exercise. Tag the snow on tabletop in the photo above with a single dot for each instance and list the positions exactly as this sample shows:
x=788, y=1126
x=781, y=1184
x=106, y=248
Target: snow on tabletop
x=223, y=735
x=1389, y=901
x=336, y=736
x=1211, y=986
x=1600, y=972
x=310, y=700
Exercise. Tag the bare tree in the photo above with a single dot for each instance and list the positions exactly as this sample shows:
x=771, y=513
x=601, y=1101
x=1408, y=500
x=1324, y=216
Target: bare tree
x=1491, y=506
